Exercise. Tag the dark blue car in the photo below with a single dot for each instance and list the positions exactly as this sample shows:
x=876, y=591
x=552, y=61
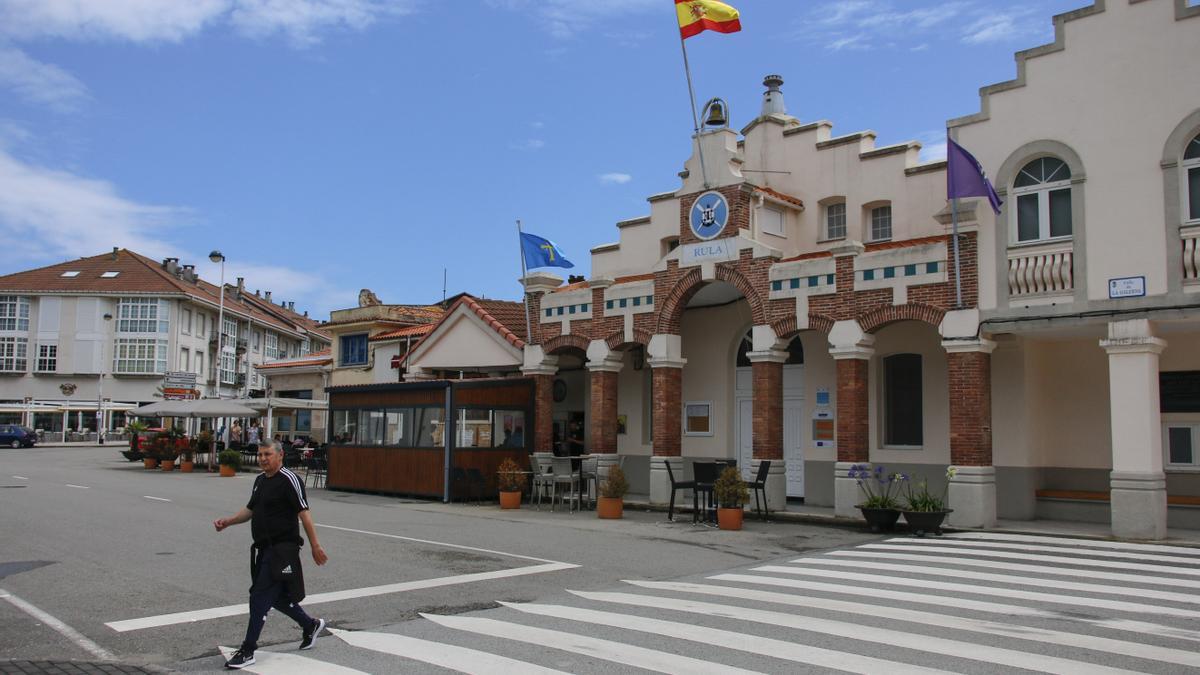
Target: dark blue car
x=17, y=436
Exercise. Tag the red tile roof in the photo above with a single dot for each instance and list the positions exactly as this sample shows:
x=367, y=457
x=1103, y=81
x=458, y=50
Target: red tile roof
x=780, y=196
x=571, y=287
x=506, y=317
x=411, y=331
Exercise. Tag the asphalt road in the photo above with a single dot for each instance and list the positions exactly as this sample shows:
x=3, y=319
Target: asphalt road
x=91, y=540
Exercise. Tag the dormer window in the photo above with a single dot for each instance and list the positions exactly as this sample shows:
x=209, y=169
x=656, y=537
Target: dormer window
x=1043, y=194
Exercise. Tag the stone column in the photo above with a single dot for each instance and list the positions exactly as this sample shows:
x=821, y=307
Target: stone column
x=852, y=350
x=767, y=439
x=541, y=369
x=1139, y=491
x=666, y=363
x=972, y=490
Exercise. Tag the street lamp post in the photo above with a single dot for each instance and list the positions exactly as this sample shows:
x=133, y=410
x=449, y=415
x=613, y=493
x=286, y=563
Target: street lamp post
x=217, y=256
x=100, y=425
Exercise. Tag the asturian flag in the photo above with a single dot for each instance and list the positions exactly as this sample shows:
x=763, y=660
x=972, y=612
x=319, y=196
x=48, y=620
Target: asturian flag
x=697, y=16
x=540, y=252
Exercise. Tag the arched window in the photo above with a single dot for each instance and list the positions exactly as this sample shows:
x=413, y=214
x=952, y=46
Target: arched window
x=1043, y=195
x=1191, y=169
x=795, y=350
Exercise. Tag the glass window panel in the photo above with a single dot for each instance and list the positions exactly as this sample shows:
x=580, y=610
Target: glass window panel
x=345, y=426
x=1031, y=174
x=698, y=418
x=1180, y=440
x=1193, y=149
x=474, y=428
x=903, y=413
x=1027, y=218
x=372, y=427
x=835, y=221
x=881, y=223
x=304, y=420
x=397, y=426
x=509, y=431
x=428, y=426
x=1194, y=192
x=1054, y=169
x=1060, y=213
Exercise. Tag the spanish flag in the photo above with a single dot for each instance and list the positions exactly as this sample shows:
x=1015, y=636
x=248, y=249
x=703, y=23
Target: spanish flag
x=696, y=16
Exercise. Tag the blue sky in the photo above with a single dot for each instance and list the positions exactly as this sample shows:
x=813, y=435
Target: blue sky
x=331, y=145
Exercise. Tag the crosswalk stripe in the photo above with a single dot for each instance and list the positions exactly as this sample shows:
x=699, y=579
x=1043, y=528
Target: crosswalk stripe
x=753, y=644
x=1018, y=567
x=274, y=663
x=453, y=657
x=1065, y=541
x=1020, y=580
x=617, y=652
x=1066, y=560
x=1127, y=625
x=1024, y=632
x=1024, y=546
x=1078, y=601
x=878, y=635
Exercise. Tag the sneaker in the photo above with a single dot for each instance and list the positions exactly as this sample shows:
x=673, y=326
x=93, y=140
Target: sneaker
x=310, y=635
x=240, y=659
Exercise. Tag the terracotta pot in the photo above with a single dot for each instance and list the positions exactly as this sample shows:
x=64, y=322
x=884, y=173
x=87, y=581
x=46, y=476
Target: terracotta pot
x=167, y=465
x=510, y=500
x=228, y=471
x=730, y=519
x=610, y=507
x=186, y=466
x=150, y=462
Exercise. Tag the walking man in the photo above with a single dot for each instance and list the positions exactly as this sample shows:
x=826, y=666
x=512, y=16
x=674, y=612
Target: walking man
x=276, y=501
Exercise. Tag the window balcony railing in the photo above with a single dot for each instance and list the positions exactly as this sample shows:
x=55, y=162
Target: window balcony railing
x=1191, y=254
x=1041, y=270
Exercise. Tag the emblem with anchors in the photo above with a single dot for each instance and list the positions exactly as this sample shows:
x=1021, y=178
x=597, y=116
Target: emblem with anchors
x=709, y=214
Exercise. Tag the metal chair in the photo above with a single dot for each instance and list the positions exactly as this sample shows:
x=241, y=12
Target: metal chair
x=759, y=484
x=706, y=475
x=589, y=474
x=675, y=487
x=317, y=466
x=564, y=474
x=541, y=483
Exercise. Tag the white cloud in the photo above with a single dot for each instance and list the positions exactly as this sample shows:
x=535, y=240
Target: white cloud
x=148, y=21
x=528, y=145
x=866, y=24
x=615, y=178
x=856, y=42
x=933, y=145
x=565, y=19
x=40, y=83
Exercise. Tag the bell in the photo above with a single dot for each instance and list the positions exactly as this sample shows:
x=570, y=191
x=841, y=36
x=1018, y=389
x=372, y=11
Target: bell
x=716, y=114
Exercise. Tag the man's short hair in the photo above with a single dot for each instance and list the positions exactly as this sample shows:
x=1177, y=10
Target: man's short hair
x=271, y=444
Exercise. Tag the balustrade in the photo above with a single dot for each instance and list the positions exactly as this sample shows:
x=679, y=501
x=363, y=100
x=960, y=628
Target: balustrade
x=1041, y=270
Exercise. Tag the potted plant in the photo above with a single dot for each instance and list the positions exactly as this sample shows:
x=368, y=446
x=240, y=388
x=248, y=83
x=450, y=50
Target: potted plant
x=231, y=461
x=925, y=511
x=612, y=494
x=512, y=483
x=881, y=508
x=170, y=448
x=135, y=429
x=731, y=494
x=187, y=455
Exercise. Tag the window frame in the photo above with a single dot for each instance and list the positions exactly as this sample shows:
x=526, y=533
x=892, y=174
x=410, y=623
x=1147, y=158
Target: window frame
x=122, y=347
x=886, y=401
x=873, y=216
x=185, y=321
x=1186, y=167
x=1042, y=190
x=46, y=360
x=344, y=340
x=687, y=431
x=14, y=308
x=1168, y=465
x=826, y=213
x=782, y=219
x=271, y=345
x=16, y=359
x=137, y=314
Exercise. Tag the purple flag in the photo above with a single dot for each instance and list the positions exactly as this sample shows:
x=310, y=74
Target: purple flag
x=965, y=177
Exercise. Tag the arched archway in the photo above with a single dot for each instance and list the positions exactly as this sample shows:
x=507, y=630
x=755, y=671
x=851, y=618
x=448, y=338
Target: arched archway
x=692, y=282
x=913, y=311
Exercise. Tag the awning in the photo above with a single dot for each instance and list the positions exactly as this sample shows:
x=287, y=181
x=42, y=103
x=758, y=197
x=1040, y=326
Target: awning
x=205, y=407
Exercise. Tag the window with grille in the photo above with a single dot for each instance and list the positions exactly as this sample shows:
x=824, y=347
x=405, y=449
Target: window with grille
x=272, y=346
x=835, y=221
x=881, y=223
x=47, y=359
x=140, y=356
x=14, y=312
x=142, y=315
x=1043, y=194
x=14, y=354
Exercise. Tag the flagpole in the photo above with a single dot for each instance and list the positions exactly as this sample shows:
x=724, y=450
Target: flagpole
x=954, y=234
x=524, y=291
x=695, y=117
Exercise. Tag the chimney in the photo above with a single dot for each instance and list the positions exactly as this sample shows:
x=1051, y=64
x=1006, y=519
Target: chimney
x=772, y=97
x=241, y=284
x=189, y=273
x=114, y=253
x=306, y=313
x=291, y=305
x=256, y=294
x=268, y=296
x=171, y=265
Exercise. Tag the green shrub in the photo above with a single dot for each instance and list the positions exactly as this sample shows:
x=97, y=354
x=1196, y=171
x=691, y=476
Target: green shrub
x=730, y=490
x=616, y=485
x=230, y=458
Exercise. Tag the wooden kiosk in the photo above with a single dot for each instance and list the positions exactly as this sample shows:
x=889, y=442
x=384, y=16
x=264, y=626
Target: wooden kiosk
x=392, y=438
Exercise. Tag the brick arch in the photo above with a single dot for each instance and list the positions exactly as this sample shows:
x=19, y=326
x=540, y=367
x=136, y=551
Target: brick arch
x=617, y=339
x=562, y=342
x=913, y=311
x=785, y=328
x=691, y=282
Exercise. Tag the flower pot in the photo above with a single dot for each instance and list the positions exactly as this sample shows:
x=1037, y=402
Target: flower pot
x=167, y=465
x=730, y=519
x=510, y=500
x=186, y=466
x=920, y=522
x=228, y=471
x=880, y=520
x=610, y=507
x=150, y=462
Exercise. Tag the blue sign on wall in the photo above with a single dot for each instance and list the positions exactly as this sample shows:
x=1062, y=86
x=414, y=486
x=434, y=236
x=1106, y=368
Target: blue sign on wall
x=709, y=214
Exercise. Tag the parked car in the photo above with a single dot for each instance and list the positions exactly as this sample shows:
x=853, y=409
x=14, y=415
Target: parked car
x=16, y=436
